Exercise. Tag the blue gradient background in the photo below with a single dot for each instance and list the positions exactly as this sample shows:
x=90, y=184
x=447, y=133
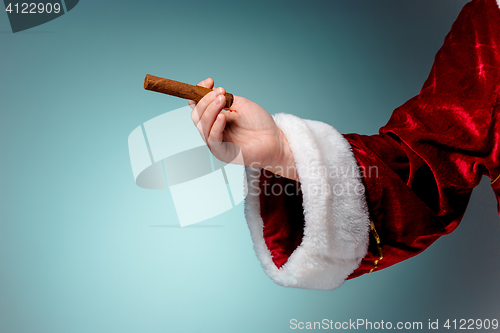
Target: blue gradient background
x=78, y=252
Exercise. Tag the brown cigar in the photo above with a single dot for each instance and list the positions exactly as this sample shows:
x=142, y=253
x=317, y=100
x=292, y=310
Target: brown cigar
x=179, y=89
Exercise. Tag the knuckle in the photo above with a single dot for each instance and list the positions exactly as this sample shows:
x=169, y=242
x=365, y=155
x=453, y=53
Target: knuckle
x=194, y=116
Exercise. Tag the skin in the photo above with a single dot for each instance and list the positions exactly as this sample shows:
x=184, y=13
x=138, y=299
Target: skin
x=243, y=134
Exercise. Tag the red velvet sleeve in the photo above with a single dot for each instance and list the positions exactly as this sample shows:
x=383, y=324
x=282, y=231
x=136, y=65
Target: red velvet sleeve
x=420, y=170
x=437, y=146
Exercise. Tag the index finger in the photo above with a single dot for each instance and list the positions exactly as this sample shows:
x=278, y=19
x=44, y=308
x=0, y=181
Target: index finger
x=207, y=83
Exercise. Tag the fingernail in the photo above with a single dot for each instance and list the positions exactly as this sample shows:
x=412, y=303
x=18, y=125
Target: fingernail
x=218, y=100
x=219, y=118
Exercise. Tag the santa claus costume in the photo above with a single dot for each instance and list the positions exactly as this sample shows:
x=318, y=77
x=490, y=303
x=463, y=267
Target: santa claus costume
x=364, y=203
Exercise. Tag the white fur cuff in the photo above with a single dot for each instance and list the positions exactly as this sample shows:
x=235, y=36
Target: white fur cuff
x=336, y=226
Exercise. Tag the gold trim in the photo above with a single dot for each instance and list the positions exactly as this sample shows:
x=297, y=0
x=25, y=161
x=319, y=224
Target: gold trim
x=379, y=248
x=493, y=181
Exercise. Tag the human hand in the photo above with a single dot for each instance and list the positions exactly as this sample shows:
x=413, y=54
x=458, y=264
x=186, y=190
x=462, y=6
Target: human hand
x=243, y=134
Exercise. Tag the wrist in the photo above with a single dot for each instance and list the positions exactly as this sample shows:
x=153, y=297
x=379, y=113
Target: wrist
x=284, y=164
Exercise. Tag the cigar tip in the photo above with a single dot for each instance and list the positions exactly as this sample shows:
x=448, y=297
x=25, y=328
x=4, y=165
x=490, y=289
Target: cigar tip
x=146, y=81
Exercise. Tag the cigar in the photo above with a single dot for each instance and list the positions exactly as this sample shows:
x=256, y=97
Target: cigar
x=179, y=89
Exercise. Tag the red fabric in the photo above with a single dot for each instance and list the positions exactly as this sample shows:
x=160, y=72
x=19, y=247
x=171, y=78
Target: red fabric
x=283, y=216
x=430, y=155
x=439, y=144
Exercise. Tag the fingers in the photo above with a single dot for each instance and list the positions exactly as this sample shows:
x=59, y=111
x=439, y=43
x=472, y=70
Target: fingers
x=206, y=111
x=209, y=117
x=214, y=142
x=216, y=132
x=192, y=104
x=207, y=83
x=227, y=152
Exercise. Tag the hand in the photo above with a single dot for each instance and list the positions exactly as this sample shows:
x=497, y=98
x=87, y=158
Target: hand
x=243, y=134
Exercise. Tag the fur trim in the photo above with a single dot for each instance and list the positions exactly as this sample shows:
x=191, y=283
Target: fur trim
x=498, y=3
x=336, y=217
